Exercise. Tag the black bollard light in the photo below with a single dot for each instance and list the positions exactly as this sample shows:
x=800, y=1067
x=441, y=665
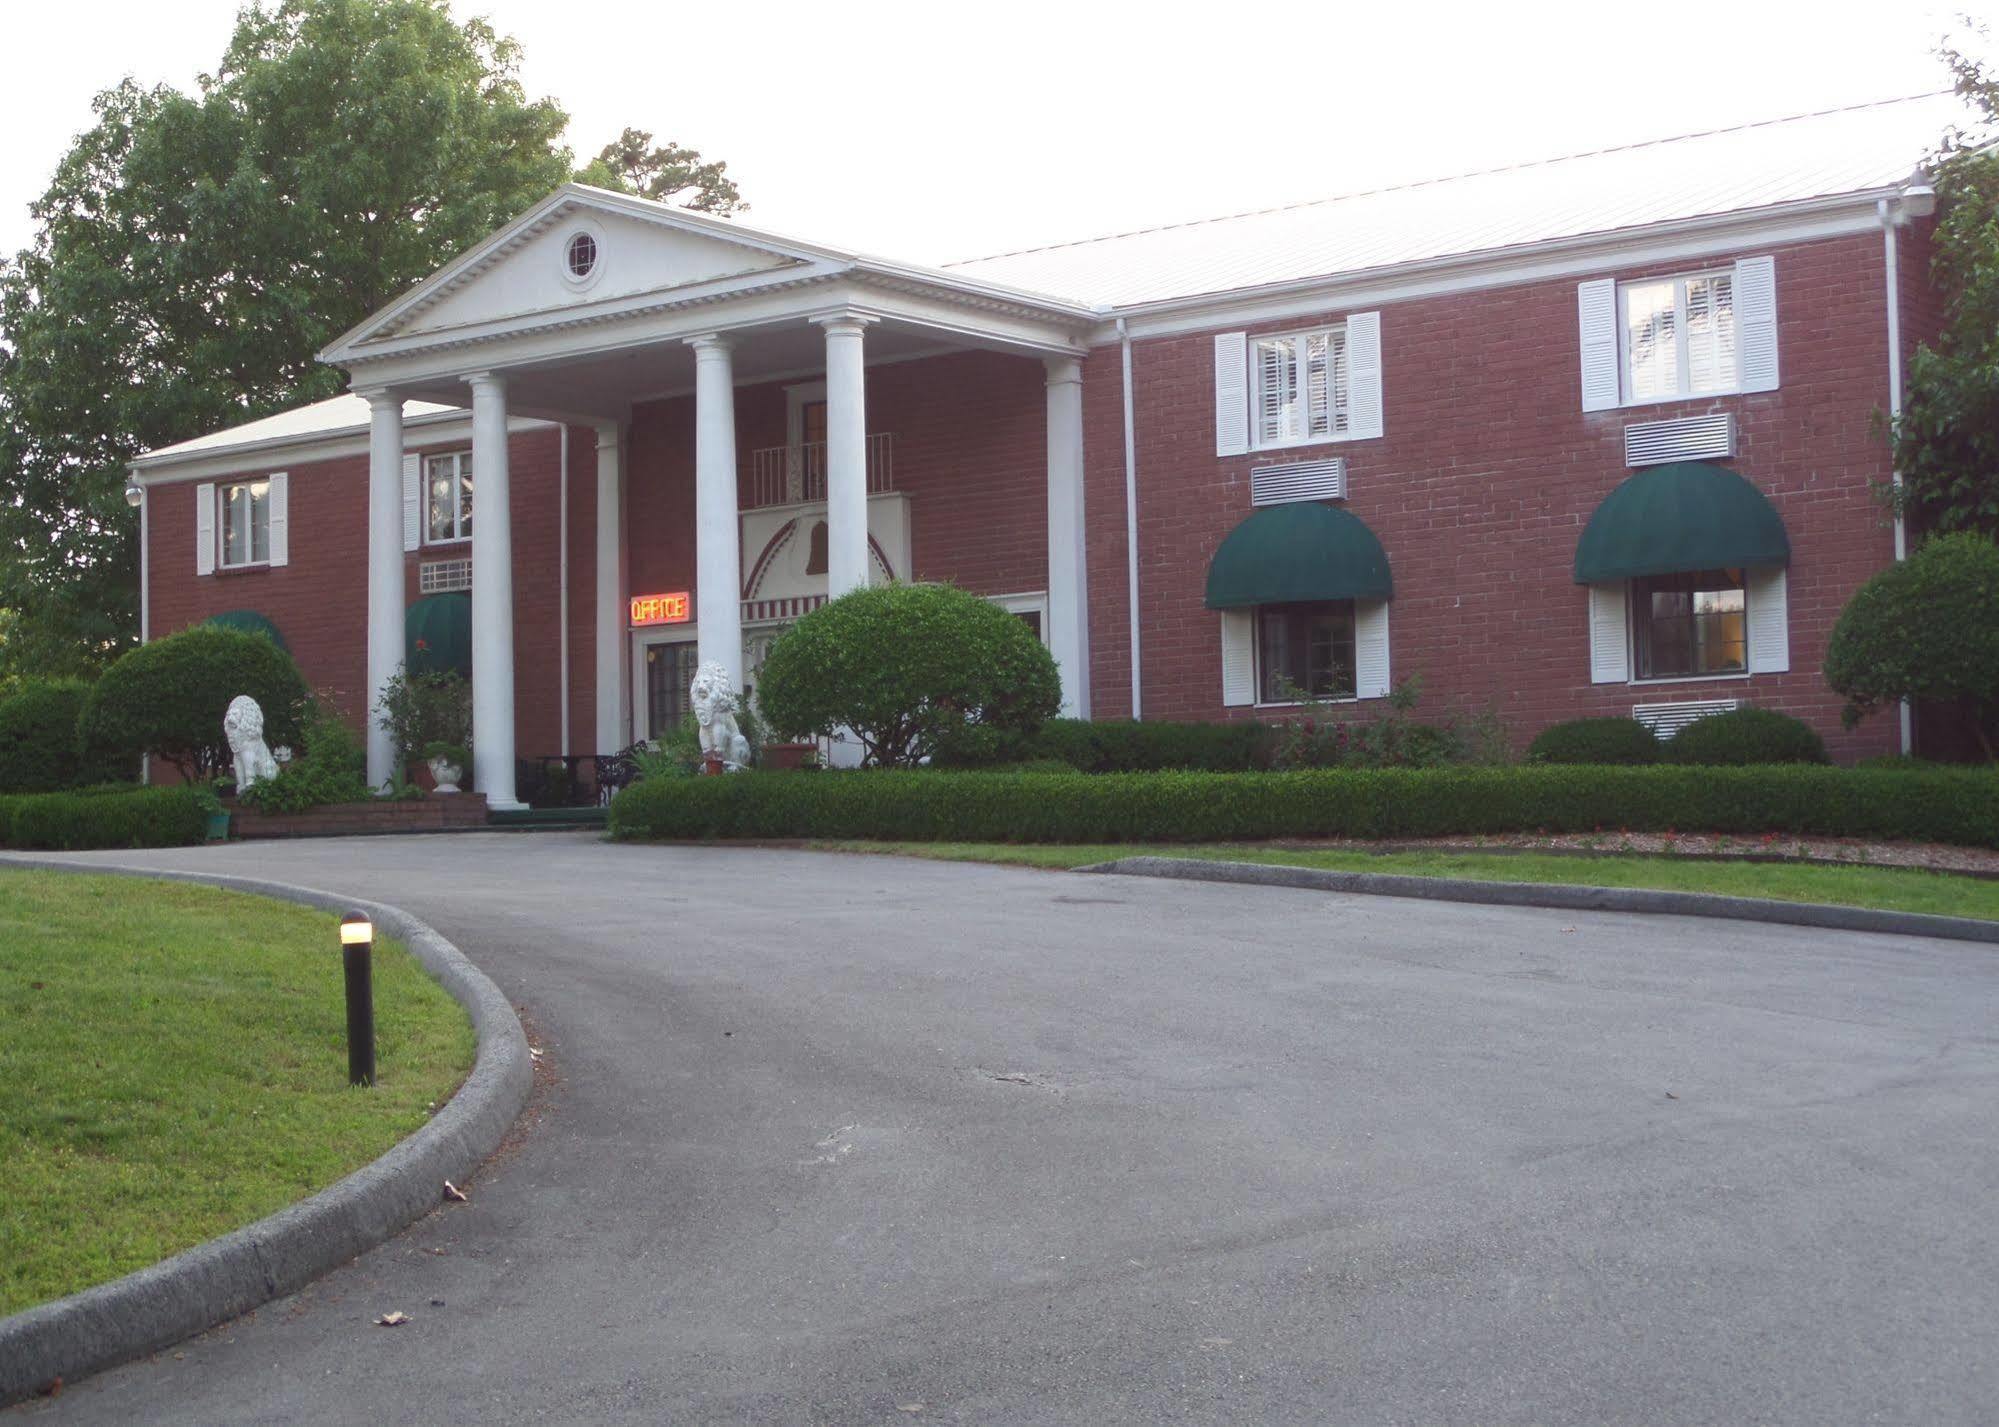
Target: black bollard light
x=357, y=947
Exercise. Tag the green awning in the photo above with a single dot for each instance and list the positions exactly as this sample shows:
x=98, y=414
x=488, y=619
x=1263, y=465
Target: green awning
x=1674, y=519
x=250, y=622
x=437, y=635
x=1306, y=551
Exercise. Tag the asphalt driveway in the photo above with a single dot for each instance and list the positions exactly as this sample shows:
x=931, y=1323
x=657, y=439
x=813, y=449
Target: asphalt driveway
x=844, y=1139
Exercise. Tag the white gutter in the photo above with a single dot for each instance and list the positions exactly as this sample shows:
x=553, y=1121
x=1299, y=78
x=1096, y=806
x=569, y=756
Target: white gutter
x=1918, y=200
x=562, y=584
x=1131, y=519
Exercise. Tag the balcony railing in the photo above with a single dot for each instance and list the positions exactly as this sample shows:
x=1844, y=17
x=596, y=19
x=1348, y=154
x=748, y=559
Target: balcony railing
x=789, y=475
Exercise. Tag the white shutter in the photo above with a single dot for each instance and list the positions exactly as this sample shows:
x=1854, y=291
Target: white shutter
x=1370, y=649
x=1364, y=375
x=412, y=502
x=1769, y=621
x=1609, y=635
x=1231, y=394
x=204, y=529
x=280, y=519
x=1756, y=323
x=1238, y=657
x=1596, y=311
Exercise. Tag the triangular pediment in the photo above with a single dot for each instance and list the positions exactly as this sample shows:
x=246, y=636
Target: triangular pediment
x=528, y=269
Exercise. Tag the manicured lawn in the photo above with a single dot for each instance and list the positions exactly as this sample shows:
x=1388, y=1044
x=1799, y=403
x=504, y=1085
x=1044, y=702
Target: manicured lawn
x=1893, y=888
x=173, y=1065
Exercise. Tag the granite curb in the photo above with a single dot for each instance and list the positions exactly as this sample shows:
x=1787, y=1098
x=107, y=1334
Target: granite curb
x=1558, y=896
x=213, y=1282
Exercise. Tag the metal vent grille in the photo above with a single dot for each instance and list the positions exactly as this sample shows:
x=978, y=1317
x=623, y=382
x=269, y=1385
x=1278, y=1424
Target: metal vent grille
x=1684, y=438
x=1299, y=480
x=1665, y=720
x=437, y=577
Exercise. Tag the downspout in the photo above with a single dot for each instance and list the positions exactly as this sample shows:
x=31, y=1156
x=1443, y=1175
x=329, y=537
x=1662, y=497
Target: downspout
x=1131, y=517
x=145, y=592
x=562, y=582
x=1917, y=200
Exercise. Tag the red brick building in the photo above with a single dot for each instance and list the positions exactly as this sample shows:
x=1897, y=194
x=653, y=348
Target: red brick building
x=1594, y=436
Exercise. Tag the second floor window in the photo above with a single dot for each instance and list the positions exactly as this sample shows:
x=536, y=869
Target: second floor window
x=1299, y=387
x=1678, y=336
x=246, y=523
x=448, y=479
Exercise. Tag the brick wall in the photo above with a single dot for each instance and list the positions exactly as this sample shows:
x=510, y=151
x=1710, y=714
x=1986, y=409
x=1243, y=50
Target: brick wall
x=1480, y=489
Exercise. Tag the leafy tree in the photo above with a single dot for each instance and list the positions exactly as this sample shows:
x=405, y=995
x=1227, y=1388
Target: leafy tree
x=38, y=742
x=196, y=250
x=906, y=667
x=668, y=174
x=167, y=698
x=1927, y=628
x=1947, y=438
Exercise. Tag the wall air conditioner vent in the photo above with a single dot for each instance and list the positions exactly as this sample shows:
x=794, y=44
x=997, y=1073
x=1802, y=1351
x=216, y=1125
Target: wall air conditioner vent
x=1299, y=480
x=437, y=577
x=1684, y=438
x=1665, y=720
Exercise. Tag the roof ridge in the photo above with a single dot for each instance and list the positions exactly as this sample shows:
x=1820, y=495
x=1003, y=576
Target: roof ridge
x=1449, y=178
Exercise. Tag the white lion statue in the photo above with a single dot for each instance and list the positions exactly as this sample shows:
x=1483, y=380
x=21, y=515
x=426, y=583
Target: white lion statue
x=243, y=726
x=715, y=702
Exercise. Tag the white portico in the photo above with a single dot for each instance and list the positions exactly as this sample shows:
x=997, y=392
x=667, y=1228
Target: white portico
x=594, y=304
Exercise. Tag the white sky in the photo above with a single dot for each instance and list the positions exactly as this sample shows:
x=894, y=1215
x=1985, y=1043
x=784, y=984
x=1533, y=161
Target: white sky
x=929, y=131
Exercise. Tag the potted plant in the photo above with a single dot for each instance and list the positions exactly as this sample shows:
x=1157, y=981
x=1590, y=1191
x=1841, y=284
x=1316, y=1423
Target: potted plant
x=446, y=762
x=218, y=816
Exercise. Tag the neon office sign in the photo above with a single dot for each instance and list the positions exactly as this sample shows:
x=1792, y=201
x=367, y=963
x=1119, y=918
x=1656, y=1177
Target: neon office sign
x=661, y=609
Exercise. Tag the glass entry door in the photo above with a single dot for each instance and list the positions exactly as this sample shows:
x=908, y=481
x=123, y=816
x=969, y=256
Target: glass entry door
x=669, y=670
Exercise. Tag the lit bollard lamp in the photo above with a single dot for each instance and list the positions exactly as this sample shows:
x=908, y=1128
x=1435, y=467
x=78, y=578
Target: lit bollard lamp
x=357, y=947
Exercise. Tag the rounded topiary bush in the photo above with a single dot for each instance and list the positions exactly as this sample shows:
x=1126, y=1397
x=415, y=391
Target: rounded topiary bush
x=1595, y=740
x=905, y=667
x=1927, y=629
x=167, y=698
x=1745, y=736
x=39, y=751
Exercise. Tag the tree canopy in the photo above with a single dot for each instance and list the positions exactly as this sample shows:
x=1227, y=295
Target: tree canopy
x=1947, y=438
x=194, y=251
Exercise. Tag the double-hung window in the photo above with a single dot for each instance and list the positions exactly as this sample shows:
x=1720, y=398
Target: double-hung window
x=1305, y=651
x=1301, y=389
x=1687, y=626
x=245, y=523
x=448, y=481
x=1678, y=336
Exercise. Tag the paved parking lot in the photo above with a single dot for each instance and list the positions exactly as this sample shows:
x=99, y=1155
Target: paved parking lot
x=842, y=1139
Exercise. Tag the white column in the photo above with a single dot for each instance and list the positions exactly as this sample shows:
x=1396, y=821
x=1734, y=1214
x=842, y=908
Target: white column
x=718, y=580
x=385, y=572
x=846, y=454
x=613, y=727
x=1068, y=588
x=492, y=596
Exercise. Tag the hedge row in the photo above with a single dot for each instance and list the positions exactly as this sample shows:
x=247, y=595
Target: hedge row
x=104, y=818
x=1958, y=806
x=1125, y=746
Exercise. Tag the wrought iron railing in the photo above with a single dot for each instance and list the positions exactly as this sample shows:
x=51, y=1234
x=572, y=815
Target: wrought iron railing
x=581, y=780
x=789, y=475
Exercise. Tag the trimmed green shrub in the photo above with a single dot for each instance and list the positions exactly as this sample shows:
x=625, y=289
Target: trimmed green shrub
x=332, y=767
x=1595, y=740
x=167, y=698
x=906, y=667
x=39, y=748
x=1118, y=746
x=82, y=819
x=1928, y=629
x=1958, y=806
x=1744, y=736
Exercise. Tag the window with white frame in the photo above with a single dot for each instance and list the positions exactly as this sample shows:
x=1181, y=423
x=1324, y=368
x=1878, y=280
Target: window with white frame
x=1305, y=651
x=1300, y=387
x=1678, y=336
x=244, y=523
x=448, y=483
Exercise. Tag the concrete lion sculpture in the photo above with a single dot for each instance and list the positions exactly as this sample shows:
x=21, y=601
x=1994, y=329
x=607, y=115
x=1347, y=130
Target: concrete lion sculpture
x=243, y=726
x=715, y=702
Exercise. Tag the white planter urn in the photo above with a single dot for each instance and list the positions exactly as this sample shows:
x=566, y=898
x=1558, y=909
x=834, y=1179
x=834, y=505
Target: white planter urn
x=445, y=774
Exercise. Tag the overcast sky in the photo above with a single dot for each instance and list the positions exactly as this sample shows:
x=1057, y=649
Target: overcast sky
x=933, y=131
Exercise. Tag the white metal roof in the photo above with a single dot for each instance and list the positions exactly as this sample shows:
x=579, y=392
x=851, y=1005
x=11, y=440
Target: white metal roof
x=334, y=416
x=1852, y=150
